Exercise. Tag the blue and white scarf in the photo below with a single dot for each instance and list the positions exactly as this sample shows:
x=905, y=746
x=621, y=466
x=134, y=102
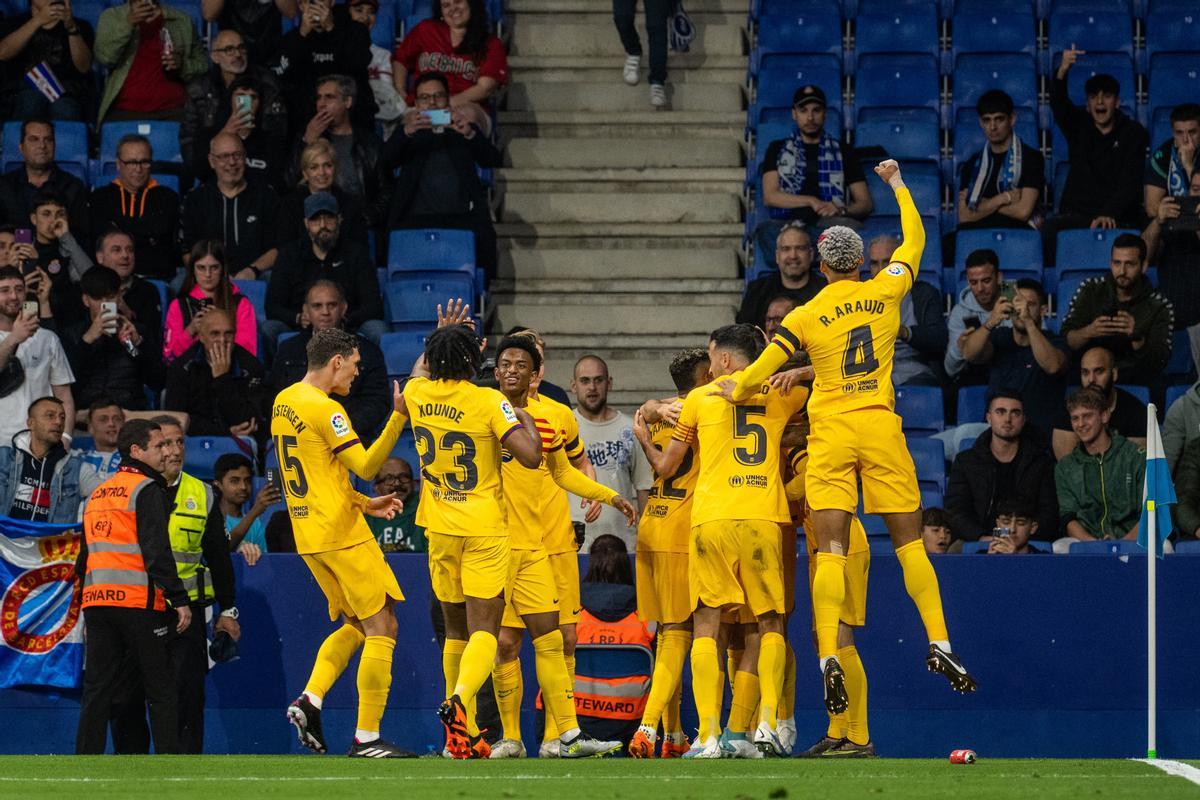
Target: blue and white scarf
x=1010, y=172
x=793, y=165
x=1177, y=179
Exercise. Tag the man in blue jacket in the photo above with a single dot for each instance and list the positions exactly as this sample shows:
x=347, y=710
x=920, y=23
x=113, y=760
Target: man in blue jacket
x=39, y=478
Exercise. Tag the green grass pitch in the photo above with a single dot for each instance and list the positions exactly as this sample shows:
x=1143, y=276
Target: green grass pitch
x=230, y=777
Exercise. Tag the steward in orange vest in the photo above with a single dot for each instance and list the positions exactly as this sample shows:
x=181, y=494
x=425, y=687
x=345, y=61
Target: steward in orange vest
x=127, y=576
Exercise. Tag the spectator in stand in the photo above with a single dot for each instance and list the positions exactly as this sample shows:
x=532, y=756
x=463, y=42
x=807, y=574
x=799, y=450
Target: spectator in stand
x=999, y=186
x=935, y=530
x=212, y=108
x=99, y=463
x=1016, y=523
x=921, y=341
x=135, y=203
x=206, y=289
x=140, y=301
x=1121, y=311
x=32, y=361
x=401, y=534
x=1181, y=426
x=8, y=245
x=657, y=13
x=233, y=210
x=795, y=278
x=975, y=304
x=777, y=311
x=455, y=42
x=40, y=173
x=370, y=398
x=1126, y=414
x=59, y=257
x=811, y=177
x=1187, y=489
x=318, y=173
x=326, y=42
x=107, y=352
x=1006, y=461
x=324, y=254
x=1023, y=357
x=383, y=86
x=1172, y=167
x=233, y=475
x=46, y=37
x=151, y=51
x=39, y=478
x=360, y=172
x=1173, y=242
x=1107, y=151
x=438, y=185
x=219, y=384
x=1099, y=483
x=257, y=24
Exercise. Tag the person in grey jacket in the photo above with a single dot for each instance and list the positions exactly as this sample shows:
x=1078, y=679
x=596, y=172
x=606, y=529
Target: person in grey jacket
x=975, y=303
x=1181, y=426
x=39, y=478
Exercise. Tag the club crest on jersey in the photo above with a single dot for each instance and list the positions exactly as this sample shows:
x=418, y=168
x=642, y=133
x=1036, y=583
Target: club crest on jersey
x=339, y=424
x=895, y=269
x=508, y=412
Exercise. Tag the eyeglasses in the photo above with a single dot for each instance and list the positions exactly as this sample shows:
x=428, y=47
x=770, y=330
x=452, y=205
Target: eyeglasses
x=431, y=98
x=140, y=162
x=394, y=479
x=228, y=158
x=231, y=49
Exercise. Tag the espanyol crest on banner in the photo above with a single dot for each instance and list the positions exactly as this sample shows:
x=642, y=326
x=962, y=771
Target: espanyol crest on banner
x=41, y=640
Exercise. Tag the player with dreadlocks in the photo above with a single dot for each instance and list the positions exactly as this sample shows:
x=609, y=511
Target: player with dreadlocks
x=459, y=429
x=849, y=331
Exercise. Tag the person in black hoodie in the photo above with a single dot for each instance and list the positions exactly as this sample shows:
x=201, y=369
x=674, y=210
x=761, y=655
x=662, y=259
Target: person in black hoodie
x=40, y=172
x=1004, y=463
x=138, y=205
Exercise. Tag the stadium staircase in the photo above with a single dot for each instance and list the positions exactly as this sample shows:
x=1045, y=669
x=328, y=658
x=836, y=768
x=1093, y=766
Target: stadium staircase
x=620, y=225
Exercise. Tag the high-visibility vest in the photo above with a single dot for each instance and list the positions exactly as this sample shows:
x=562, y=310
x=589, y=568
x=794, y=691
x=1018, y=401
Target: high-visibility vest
x=116, y=572
x=186, y=523
x=622, y=698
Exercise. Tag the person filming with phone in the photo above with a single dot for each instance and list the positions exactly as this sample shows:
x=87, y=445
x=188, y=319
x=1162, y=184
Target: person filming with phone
x=1173, y=242
x=60, y=260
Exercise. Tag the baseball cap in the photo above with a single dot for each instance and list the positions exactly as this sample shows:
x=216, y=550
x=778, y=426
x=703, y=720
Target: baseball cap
x=320, y=203
x=809, y=94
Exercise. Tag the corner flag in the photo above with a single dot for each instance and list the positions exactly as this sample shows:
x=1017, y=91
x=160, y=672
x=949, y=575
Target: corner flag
x=1158, y=492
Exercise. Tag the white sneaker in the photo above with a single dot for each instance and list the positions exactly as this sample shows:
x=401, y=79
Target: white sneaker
x=767, y=743
x=787, y=733
x=658, y=95
x=508, y=748
x=630, y=73
x=709, y=748
x=736, y=745
x=549, y=749
x=584, y=746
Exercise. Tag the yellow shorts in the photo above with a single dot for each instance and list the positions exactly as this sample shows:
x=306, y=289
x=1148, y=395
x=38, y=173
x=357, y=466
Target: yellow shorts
x=735, y=562
x=662, y=587
x=854, y=607
x=356, y=580
x=565, y=567
x=531, y=586
x=467, y=565
x=868, y=444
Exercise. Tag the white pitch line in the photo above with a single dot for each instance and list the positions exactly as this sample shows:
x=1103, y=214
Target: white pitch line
x=1176, y=768
x=564, y=776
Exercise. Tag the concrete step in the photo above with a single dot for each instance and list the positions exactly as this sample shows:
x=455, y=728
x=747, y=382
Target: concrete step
x=575, y=96
x=553, y=265
x=594, y=35
x=625, y=293
x=641, y=208
x=627, y=182
x=634, y=375
x=594, y=234
x=602, y=321
x=523, y=7
x=692, y=125
x=617, y=152
x=610, y=72
x=680, y=66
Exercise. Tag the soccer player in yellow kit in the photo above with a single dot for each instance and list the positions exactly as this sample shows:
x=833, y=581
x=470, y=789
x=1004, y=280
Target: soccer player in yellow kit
x=533, y=593
x=662, y=567
x=734, y=555
x=459, y=429
x=849, y=331
x=317, y=448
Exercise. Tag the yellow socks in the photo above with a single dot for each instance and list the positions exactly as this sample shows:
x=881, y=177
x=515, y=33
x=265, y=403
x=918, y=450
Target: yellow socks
x=332, y=657
x=772, y=658
x=787, y=698
x=451, y=656
x=856, y=689
x=733, y=661
x=507, y=683
x=922, y=584
x=745, y=700
x=828, y=594
x=374, y=679
x=668, y=670
x=558, y=694
x=475, y=666
x=672, y=721
x=551, y=730
x=705, y=686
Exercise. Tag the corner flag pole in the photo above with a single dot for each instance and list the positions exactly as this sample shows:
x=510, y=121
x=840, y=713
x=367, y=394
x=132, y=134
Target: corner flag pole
x=1151, y=612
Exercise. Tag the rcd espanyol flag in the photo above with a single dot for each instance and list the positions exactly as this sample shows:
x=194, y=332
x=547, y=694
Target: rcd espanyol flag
x=42, y=78
x=42, y=640
x=1158, y=492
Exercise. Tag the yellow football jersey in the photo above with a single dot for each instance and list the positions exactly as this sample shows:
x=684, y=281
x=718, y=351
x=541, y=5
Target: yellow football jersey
x=317, y=448
x=559, y=533
x=739, y=474
x=798, y=458
x=666, y=522
x=458, y=428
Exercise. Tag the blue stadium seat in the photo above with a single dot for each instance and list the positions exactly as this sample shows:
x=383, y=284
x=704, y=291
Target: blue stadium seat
x=87, y=10
x=1086, y=250
x=406, y=449
x=901, y=30
x=1095, y=30
x=1119, y=65
x=1174, y=393
x=887, y=6
x=1066, y=290
x=931, y=260
x=384, y=33
x=776, y=116
x=70, y=142
x=920, y=408
x=414, y=296
x=969, y=138
x=812, y=28
x=931, y=497
x=163, y=136
x=980, y=28
x=905, y=133
x=1188, y=548
x=897, y=81
x=1013, y=73
x=780, y=75
x=1142, y=393
x=1107, y=547
x=163, y=292
x=401, y=349
x=972, y=404
x=929, y=456
x=1019, y=249
x=256, y=293
x=203, y=452
x=431, y=250
x=1174, y=79
x=924, y=181
x=1172, y=29
x=1180, y=367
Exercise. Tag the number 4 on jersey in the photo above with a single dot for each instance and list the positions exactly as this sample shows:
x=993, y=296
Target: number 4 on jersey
x=860, y=353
